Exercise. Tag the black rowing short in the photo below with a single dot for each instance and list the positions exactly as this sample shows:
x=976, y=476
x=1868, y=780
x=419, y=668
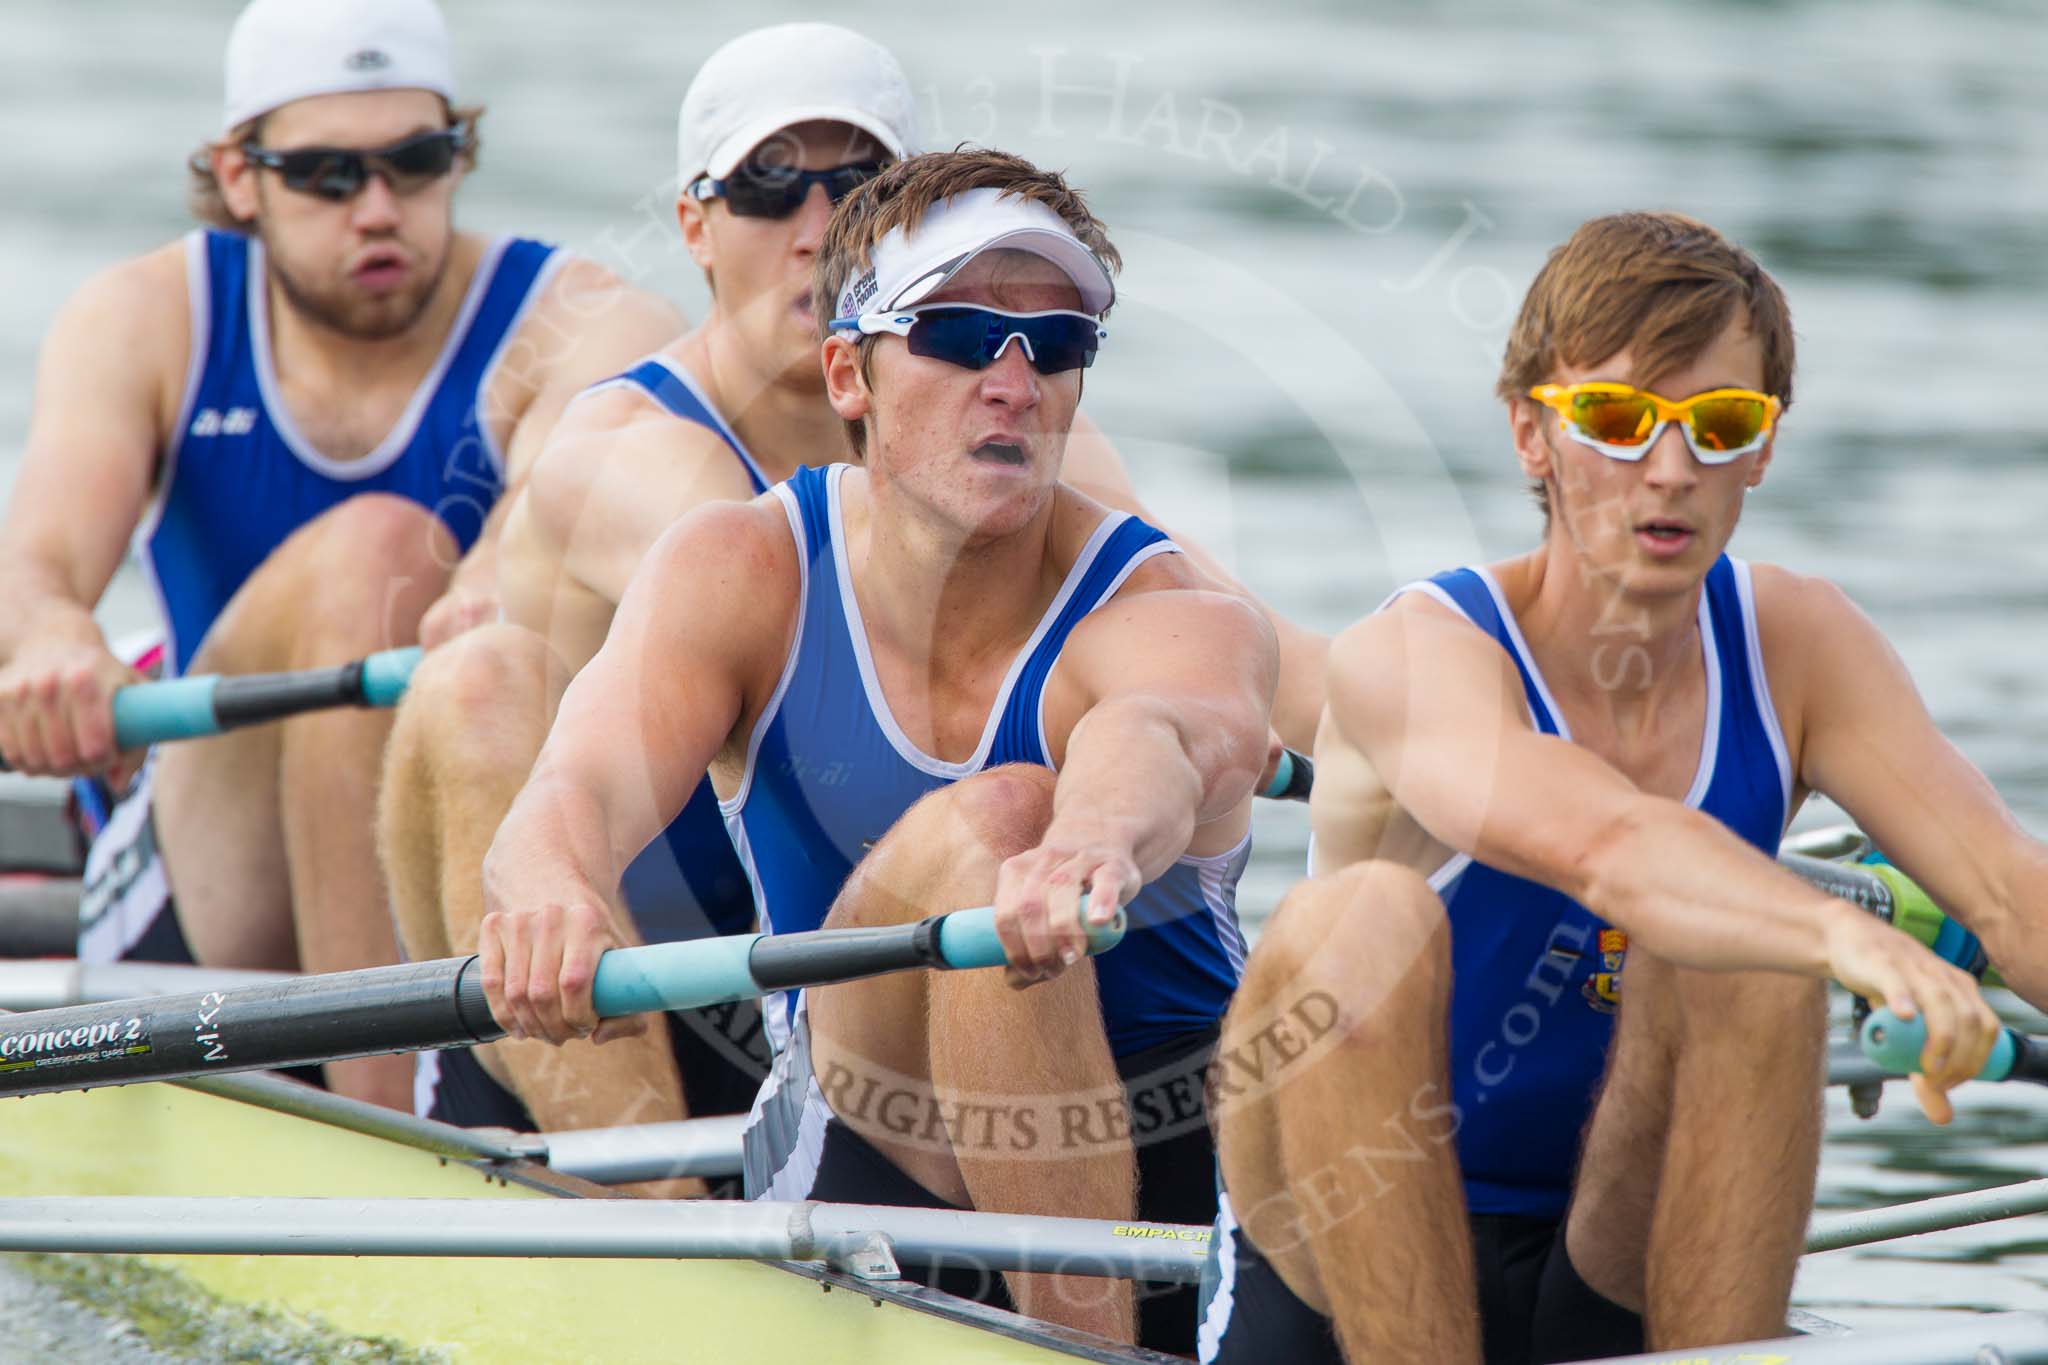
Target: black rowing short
x=1533, y=1306
x=797, y=1148
x=720, y=1051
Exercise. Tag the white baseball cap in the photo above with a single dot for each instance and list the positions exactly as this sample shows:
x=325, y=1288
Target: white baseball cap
x=285, y=50
x=773, y=78
x=911, y=266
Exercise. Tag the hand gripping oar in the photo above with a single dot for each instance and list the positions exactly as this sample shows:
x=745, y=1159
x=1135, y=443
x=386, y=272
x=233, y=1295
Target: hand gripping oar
x=188, y=708
x=436, y=1004
x=1897, y=899
x=1896, y=1044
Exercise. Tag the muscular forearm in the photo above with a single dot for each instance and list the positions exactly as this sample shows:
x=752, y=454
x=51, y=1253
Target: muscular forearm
x=1686, y=889
x=557, y=830
x=41, y=609
x=2015, y=930
x=1129, y=778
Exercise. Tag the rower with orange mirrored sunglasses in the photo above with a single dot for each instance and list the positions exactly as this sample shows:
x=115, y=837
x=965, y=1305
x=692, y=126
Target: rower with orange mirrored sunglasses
x=1623, y=422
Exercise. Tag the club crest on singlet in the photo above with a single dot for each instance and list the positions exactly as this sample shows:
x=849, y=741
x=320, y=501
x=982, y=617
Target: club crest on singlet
x=1603, y=988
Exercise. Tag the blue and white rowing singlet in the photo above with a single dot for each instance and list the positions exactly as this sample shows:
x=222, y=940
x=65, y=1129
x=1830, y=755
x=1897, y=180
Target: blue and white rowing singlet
x=829, y=772
x=238, y=478
x=1535, y=975
x=694, y=845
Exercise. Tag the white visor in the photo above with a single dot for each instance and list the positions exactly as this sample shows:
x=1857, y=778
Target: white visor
x=909, y=267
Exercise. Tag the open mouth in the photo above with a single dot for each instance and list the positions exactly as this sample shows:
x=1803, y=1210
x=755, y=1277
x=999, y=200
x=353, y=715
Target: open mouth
x=379, y=270
x=1000, y=452
x=1664, y=534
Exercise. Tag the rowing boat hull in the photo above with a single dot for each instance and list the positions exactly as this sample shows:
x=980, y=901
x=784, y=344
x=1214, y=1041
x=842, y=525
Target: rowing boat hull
x=156, y=1139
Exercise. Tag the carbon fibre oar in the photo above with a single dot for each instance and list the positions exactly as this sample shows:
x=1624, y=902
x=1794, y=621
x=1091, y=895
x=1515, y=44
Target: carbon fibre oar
x=1897, y=899
x=418, y=1005
x=1896, y=1044
x=189, y=708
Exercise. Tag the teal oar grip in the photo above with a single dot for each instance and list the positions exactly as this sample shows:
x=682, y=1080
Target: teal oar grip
x=674, y=976
x=1293, y=778
x=148, y=713
x=1896, y=1044
x=967, y=938
x=386, y=674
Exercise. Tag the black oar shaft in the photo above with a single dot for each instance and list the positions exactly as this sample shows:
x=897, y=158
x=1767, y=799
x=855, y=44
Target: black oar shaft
x=289, y=1023
x=315, y=1019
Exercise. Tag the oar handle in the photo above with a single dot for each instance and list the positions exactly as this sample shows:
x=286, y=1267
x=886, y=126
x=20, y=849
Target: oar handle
x=187, y=708
x=1896, y=1044
x=1293, y=777
x=701, y=972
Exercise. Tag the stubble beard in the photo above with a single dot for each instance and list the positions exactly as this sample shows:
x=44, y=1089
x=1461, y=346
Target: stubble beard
x=357, y=319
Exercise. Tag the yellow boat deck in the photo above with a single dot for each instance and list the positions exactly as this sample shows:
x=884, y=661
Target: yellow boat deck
x=162, y=1140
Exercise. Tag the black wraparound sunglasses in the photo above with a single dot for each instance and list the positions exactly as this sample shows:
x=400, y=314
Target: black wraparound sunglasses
x=339, y=173
x=778, y=191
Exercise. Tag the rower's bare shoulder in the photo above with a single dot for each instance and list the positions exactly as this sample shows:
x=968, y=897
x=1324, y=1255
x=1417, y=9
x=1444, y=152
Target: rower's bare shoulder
x=739, y=554
x=1789, y=604
x=614, y=442
x=1814, y=639
x=1412, y=650
x=134, y=312
x=588, y=307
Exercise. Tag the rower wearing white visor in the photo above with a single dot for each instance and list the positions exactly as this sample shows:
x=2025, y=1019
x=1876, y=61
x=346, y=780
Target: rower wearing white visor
x=942, y=678
x=775, y=127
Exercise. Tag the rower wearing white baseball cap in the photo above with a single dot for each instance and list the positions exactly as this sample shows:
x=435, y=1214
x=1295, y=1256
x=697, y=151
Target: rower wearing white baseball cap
x=777, y=126
x=939, y=678
x=303, y=413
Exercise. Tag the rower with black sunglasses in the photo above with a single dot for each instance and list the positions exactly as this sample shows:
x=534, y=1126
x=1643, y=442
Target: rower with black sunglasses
x=776, y=126
x=1561, y=1095
x=941, y=677
x=305, y=413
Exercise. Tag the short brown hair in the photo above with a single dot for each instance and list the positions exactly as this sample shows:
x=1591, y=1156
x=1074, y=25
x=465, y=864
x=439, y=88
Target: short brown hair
x=1660, y=285
x=899, y=198
x=203, y=199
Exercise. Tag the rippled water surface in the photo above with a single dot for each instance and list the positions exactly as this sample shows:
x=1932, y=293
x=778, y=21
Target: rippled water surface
x=1328, y=212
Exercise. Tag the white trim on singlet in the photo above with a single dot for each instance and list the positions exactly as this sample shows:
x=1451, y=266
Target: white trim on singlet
x=1767, y=707
x=878, y=702
x=1710, y=734
x=199, y=303
x=772, y=1020
x=1710, y=737
x=550, y=266
x=731, y=808
x=1157, y=547
x=797, y=1174
x=1216, y=1314
x=725, y=429
x=1211, y=869
x=402, y=432
x=682, y=376
x=1522, y=650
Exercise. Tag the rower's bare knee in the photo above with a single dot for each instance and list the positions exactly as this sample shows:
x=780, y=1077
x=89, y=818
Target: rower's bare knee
x=950, y=843
x=1765, y=1020
x=1350, y=980
x=481, y=699
x=1374, y=937
x=376, y=563
x=353, y=580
